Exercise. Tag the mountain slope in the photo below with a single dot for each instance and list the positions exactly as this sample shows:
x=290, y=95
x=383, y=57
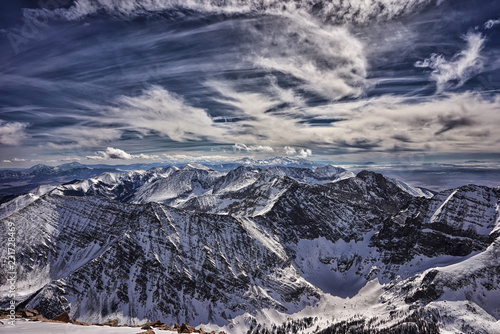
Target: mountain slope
x=100, y=259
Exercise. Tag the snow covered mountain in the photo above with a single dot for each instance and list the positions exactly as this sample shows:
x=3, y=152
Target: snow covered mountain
x=304, y=250
x=15, y=182
x=199, y=188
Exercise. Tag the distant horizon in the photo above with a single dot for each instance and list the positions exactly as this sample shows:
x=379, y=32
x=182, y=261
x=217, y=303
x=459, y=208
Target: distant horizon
x=434, y=176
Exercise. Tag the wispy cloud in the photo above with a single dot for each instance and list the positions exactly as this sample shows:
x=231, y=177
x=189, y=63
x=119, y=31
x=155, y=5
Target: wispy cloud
x=352, y=11
x=181, y=158
x=258, y=125
x=453, y=73
x=160, y=111
x=14, y=160
x=328, y=60
x=464, y=122
x=81, y=136
x=491, y=23
x=156, y=112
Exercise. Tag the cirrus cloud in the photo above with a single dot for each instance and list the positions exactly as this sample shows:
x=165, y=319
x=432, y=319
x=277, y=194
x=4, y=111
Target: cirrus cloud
x=350, y=11
x=453, y=73
x=159, y=111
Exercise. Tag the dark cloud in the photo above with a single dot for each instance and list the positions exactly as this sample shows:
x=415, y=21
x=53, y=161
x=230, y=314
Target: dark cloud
x=402, y=138
x=361, y=143
x=450, y=122
x=402, y=148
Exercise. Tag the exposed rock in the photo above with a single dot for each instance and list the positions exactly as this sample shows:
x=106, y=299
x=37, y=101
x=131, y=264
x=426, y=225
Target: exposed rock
x=112, y=323
x=79, y=323
x=149, y=331
x=156, y=323
x=164, y=327
x=63, y=317
x=39, y=318
x=186, y=329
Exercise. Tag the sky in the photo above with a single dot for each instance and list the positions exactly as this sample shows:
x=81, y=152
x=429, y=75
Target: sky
x=117, y=81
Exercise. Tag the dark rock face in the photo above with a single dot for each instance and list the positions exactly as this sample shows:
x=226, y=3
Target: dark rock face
x=454, y=223
x=216, y=245
x=63, y=317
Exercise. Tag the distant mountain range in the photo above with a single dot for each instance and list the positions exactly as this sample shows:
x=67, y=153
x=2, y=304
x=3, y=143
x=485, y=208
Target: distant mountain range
x=19, y=181
x=261, y=248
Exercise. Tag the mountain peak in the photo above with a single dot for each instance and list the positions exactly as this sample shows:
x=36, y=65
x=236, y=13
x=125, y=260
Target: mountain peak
x=277, y=161
x=38, y=167
x=194, y=166
x=371, y=177
x=71, y=165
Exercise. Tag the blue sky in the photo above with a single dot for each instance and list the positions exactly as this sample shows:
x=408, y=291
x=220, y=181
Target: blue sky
x=128, y=81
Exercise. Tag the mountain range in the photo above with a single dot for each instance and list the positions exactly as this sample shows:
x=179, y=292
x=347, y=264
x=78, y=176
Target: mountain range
x=260, y=249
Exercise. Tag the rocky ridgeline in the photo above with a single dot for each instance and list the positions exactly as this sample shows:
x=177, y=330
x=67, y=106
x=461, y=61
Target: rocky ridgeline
x=64, y=318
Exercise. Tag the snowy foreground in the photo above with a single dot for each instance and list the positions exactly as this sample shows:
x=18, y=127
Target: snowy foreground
x=30, y=327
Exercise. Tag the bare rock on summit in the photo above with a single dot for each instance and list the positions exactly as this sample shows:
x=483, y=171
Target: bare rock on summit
x=63, y=317
x=112, y=323
x=187, y=329
x=156, y=323
x=149, y=331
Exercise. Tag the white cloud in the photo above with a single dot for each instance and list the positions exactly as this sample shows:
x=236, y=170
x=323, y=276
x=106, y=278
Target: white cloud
x=491, y=23
x=289, y=150
x=304, y=153
x=453, y=73
x=115, y=153
x=12, y=133
x=301, y=153
x=112, y=153
x=254, y=148
x=14, y=160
